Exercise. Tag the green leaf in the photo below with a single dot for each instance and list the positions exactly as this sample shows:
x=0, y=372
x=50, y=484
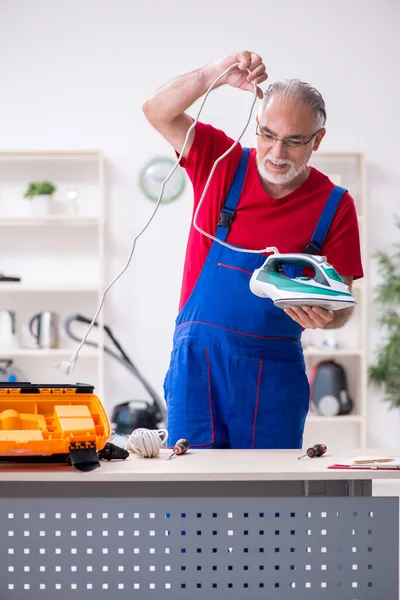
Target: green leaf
x=38, y=188
x=385, y=371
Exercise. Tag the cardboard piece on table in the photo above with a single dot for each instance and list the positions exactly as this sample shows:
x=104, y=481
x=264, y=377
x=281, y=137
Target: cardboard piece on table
x=369, y=462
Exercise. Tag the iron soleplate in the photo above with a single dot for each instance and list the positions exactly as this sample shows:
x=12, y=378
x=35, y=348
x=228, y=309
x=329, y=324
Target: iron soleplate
x=325, y=303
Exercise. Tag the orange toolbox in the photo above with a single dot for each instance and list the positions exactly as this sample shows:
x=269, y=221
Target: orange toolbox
x=49, y=420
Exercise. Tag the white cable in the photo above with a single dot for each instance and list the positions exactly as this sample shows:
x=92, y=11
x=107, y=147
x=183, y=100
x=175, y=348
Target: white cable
x=68, y=366
x=147, y=442
x=211, y=237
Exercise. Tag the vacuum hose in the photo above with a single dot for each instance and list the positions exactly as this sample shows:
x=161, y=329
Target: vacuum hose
x=122, y=357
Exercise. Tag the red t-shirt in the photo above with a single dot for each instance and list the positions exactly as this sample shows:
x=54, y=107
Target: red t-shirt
x=260, y=221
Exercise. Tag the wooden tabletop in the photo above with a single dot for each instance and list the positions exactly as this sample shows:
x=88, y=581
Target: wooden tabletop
x=209, y=465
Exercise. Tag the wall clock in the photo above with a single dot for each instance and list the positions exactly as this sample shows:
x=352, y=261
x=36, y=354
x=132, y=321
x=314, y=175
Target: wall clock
x=153, y=174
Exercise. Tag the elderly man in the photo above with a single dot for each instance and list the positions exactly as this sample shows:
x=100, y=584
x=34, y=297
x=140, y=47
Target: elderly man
x=237, y=377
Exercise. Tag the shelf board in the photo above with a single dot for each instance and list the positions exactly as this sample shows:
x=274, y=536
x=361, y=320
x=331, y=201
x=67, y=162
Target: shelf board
x=63, y=220
x=340, y=419
x=49, y=154
x=332, y=352
x=43, y=287
x=39, y=353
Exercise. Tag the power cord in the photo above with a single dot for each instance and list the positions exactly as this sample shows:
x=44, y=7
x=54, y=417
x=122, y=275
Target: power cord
x=68, y=366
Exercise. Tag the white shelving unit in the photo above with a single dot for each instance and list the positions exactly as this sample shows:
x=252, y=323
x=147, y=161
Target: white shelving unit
x=48, y=220
x=40, y=353
x=48, y=287
x=59, y=257
x=347, y=170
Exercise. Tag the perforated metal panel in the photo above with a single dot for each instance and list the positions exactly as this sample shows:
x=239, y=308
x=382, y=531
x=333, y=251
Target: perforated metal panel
x=249, y=548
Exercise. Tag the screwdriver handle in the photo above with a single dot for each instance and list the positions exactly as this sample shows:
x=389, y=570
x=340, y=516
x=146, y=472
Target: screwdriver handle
x=181, y=446
x=319, y=449
x=315, y=451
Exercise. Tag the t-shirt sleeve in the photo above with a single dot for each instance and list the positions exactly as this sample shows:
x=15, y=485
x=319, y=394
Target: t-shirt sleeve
x=209, y=144
x=342, y=243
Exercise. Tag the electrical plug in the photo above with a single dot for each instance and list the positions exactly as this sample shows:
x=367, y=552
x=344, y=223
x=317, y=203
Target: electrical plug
x=67, y=366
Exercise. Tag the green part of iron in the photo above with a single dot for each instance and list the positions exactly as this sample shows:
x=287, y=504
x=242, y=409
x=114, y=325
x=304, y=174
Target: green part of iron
x=325, y=289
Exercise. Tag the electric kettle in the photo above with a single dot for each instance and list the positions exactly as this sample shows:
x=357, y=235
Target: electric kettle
x=45, y=327
x=8, y=338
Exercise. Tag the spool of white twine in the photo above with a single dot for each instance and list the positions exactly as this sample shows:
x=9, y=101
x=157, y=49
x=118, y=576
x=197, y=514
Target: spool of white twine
x=147, y=442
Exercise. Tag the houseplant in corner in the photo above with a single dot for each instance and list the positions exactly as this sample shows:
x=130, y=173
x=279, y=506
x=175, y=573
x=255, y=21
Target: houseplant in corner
x=385, y=372
x=41, y=195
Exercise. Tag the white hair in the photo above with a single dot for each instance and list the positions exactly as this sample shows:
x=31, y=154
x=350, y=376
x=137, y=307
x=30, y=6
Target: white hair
x=297, y=91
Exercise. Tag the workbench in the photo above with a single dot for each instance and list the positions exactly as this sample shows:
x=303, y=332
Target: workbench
x=243, y=524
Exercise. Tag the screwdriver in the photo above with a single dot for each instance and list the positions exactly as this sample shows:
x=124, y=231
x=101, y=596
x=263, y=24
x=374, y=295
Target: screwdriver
x=316, y=450
x=180, y=447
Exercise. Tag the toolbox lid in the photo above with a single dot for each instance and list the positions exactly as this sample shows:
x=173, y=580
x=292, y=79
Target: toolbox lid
x=26, y=387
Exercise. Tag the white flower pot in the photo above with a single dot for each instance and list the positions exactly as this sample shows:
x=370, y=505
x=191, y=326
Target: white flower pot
x=41, y=205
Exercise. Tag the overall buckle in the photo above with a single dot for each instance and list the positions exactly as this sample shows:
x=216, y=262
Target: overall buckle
x=225, y=219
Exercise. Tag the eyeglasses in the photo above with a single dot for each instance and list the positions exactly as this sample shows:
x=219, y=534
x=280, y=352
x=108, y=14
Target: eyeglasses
x=289, y=142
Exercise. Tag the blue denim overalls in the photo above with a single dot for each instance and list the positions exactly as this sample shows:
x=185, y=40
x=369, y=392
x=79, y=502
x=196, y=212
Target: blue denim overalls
x=237, y=376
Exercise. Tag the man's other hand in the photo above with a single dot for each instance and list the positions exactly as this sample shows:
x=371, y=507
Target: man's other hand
x=310, y=317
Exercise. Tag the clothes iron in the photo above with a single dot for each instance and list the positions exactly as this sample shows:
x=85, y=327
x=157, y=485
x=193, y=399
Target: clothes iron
x=281, y=279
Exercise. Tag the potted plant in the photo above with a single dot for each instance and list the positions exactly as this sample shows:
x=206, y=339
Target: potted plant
x=41, y=192
x=385, y=372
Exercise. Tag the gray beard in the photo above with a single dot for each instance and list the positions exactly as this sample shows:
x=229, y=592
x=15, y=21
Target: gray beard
x=279, y=179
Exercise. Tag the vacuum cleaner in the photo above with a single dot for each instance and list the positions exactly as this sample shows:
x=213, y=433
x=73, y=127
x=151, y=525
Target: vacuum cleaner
x=281, y=279
x=135, y=413
x=329, y=390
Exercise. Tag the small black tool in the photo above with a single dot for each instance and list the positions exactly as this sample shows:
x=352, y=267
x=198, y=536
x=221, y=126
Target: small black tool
x=112, y=452
x=315, y=451
x=180, y=447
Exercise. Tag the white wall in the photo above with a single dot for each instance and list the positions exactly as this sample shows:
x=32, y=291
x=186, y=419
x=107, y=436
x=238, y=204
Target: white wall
x=74, y=75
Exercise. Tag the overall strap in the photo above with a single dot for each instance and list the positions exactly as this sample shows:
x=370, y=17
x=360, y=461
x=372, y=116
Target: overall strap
x=231, y=202
x=318, y=237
